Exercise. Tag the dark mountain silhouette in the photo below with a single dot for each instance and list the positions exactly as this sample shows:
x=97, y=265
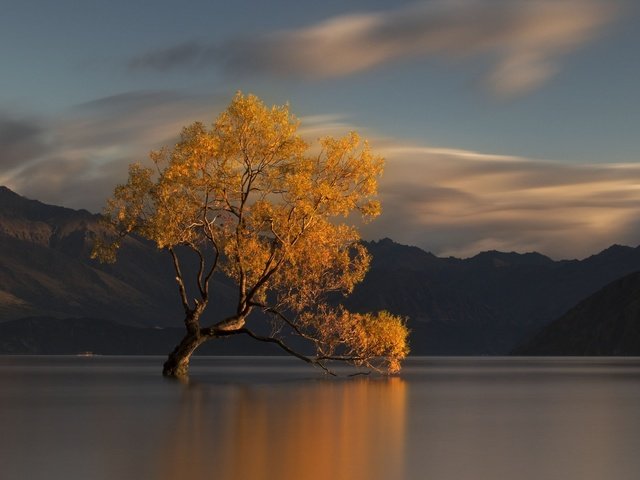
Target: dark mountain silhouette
x=45, y=269
x=481, y=305
x=605, y=323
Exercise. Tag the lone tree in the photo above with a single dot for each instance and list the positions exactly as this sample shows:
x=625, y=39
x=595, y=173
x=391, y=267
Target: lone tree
x=247, y=198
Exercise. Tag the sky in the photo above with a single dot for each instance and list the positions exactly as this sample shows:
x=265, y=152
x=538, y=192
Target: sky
x=505, y=124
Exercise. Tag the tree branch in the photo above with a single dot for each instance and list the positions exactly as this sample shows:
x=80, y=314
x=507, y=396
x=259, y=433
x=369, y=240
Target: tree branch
x=287, y=349
x=201, y=265
x=210, y=235
x=180, y=282
x=264, y=279
x=283, y=317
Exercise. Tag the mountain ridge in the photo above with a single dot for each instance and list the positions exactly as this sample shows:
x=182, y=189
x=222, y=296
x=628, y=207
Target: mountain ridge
x=605, y=323
x=486, y=304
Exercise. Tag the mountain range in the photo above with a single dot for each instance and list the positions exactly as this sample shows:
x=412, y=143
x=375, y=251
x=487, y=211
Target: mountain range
x=605, y=323
x=488, y=304
x=485, y=305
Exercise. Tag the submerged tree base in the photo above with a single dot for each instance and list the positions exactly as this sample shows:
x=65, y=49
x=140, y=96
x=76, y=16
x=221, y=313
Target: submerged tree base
x=177, y=364
x=173, y=369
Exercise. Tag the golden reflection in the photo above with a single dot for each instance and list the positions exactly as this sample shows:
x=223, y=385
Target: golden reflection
x=326, y=430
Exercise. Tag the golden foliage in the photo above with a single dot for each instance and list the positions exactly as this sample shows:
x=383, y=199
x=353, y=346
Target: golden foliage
x=379, y=340
x=248, y=190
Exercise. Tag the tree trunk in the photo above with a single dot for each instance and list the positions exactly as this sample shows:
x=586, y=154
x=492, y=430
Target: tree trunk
x=177, y=365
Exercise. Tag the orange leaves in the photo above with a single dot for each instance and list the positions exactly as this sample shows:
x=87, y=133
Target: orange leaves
x=378, y=341
x=325, y=258
x=131, y=200
x=256, y=137
x=382, y=335
x=342, y=179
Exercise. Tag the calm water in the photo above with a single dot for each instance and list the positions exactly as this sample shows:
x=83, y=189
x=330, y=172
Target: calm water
x=275, y=418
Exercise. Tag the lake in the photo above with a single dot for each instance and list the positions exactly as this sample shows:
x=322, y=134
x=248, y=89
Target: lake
x=253, y=418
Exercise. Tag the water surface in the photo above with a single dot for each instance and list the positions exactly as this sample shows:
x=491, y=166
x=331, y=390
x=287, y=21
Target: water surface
x=276, y=418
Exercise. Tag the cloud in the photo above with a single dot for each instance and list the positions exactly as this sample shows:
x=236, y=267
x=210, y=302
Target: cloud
x=446, y=200
x=132, y=120
x=456, y=202
x=77, y=158
x=522, y=40
x=21, y=140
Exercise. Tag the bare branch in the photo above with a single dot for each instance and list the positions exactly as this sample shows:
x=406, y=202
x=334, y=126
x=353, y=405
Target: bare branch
x=216, y=257
x=180, y=282
x=201, y=265
x=265, y=277
x=362, y=361
x=281, y=344
x=285, y=319
x=275, y=234
x=342, y=358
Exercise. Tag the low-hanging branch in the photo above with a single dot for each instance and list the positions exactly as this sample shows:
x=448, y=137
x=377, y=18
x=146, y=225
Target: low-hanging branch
x=290, y=351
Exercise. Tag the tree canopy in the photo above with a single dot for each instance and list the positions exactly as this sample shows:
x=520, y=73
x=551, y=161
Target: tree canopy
x=250, y=198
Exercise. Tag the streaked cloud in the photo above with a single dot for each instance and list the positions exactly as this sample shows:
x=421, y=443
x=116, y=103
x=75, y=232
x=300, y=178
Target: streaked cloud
x=21, y=140
x=456, y=202
x=77, y=158
x=446, y=200
x=522, y=41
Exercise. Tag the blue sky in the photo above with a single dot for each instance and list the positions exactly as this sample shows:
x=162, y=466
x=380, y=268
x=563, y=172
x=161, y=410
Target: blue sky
x=505, y=124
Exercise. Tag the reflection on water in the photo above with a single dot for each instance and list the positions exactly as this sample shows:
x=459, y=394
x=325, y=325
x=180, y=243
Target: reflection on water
x=453, y=419
x=318, y=430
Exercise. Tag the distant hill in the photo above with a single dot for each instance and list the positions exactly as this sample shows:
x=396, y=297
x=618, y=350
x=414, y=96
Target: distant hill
x=605, y=323
x=486, y=304
x=45, y=269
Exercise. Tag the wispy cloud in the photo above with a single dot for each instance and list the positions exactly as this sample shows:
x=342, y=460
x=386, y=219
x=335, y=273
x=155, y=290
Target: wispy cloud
x=522, y=41
x=447, y=200
x=457, y=202
x=21, y=140
x=77, y=158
